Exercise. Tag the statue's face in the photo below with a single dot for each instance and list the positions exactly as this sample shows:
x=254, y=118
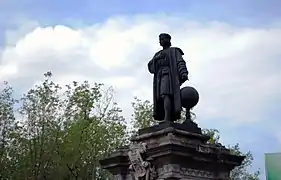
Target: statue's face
x=163, y=40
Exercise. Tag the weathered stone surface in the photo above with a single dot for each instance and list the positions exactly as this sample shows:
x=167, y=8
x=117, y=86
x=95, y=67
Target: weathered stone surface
x=187, y=126
x=176, y=154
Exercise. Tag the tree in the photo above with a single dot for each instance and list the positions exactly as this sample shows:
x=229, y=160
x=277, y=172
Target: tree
x=7, y=126
x=142, y=118
x=63, y=133
x=142, y=114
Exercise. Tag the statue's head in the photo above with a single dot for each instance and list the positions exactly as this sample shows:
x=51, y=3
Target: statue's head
x=165, y=40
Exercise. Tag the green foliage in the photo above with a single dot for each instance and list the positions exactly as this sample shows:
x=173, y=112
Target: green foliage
x=7, y=127
x=213, y=134
x=241, y=171
x=142, y=115
x=63, y=131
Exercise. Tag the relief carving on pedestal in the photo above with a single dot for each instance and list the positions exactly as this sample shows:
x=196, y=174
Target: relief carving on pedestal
x=184, y=172
x=138, y=166
x=117, y=177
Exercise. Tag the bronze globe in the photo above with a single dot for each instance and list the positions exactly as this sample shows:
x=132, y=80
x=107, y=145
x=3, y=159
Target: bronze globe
x=189, y=97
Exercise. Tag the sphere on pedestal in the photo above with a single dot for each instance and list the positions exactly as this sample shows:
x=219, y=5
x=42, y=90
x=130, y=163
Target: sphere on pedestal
x=189, y=97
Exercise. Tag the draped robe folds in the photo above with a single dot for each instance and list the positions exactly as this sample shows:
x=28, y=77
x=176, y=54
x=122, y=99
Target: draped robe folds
x=176, y=69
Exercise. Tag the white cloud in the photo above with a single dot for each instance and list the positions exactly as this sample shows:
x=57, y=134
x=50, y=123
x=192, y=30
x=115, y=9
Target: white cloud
x=25, y=27
x=235, y=69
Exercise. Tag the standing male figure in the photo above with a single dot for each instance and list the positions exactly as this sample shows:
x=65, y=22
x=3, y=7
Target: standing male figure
x=169, y=70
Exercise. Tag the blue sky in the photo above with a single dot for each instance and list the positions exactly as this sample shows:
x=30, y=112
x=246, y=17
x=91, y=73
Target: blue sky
x=73, y=12
x=256, y=137
x=241, y=12
x=253, y=12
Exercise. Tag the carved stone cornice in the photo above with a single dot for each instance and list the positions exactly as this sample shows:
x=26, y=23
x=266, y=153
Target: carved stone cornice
x=176, y=153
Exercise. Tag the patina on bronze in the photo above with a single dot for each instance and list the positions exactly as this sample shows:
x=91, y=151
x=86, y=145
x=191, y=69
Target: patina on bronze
x=169, y=70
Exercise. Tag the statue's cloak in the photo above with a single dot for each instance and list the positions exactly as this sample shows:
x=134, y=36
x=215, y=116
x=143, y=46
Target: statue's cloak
x=177, y=68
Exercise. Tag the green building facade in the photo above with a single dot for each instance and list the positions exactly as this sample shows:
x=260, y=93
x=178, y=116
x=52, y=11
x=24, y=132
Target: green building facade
x=273, y=166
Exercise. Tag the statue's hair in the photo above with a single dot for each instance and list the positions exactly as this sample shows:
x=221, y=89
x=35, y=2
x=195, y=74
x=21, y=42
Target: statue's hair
x=165, y=35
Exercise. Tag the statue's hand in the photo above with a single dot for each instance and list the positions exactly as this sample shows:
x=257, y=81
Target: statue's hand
x=159, y=56
x=184, y=77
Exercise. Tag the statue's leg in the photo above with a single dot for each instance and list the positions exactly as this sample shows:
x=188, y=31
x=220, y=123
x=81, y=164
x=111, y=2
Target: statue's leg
x=165, y=92
x=167, y=108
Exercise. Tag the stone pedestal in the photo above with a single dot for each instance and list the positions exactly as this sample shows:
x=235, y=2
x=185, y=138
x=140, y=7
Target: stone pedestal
x=173, y=151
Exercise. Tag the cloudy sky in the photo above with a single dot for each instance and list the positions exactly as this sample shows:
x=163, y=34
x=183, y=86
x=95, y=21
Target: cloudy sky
x=231, y=48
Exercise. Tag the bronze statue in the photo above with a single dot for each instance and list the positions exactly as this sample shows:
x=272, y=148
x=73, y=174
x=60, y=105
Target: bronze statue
x=169, y=70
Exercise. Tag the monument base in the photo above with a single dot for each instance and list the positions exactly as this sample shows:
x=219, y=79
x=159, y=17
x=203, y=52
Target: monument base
x=172, y=151
x=189, y=126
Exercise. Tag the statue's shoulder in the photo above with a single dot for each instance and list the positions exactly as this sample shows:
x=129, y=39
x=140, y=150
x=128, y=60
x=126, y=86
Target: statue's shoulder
x=177, y=49
x=157, y=52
